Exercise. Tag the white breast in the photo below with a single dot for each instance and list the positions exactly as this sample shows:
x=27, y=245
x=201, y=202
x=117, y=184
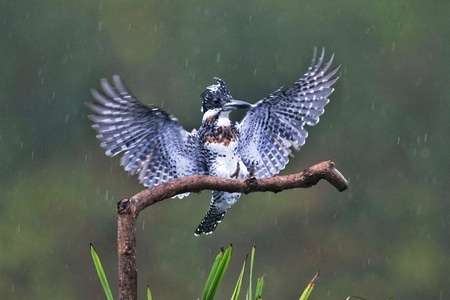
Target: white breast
x=226, y=160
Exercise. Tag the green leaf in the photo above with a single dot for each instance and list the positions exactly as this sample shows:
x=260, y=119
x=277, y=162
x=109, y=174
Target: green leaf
x=252, y=259
x=237, y=289
x=216, y=274
x=309, y=288
x=211, y=273
x=149, y=294
x=259, y=287
x=101, y=273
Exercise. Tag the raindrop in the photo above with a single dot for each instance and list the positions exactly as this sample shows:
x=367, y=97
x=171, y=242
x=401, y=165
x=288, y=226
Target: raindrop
x=218, y=57
x=398, y=141
x=52, y=98
x=143, y=225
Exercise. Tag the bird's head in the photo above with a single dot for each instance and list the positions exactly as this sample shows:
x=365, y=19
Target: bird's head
x=217, y=97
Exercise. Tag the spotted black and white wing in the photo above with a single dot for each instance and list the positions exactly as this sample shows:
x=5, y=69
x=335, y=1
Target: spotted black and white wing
x=153, y=142
x=276, y=123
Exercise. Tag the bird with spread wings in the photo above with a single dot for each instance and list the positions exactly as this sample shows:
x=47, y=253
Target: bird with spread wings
x=158, y=149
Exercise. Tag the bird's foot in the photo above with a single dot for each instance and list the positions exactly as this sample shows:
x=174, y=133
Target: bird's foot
x=251, y=172
x=236, y=173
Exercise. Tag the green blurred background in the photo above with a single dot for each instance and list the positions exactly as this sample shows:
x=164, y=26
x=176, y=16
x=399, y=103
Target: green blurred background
x=386, y=127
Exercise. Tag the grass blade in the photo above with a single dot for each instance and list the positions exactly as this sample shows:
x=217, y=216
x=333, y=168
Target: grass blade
x=217, y=271
x=149, y=294
x=309, y=288
x=237, y=289
x=101, y=273
x=212, y=272
x=259, y=287
x=252, y=259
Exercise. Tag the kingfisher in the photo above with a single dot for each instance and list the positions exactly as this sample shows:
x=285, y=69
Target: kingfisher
x=158, y=149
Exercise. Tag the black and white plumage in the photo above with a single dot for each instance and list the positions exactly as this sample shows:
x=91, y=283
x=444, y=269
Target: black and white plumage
x=158, y=149
x=154, y=143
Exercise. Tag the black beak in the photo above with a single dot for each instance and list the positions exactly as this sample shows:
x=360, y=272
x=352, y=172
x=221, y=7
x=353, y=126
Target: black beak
x=236, y=104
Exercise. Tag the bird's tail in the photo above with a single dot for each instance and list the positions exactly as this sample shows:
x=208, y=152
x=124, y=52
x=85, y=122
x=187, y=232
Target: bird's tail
x=220, y=203
x=209, y=222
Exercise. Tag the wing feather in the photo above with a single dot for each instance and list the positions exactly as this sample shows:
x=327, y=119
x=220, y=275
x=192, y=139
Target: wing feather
x=154, y=144
x=276, y=123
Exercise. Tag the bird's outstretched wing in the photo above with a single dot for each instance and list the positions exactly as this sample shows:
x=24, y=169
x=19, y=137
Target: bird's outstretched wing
x=276, y=123
x=154, y=143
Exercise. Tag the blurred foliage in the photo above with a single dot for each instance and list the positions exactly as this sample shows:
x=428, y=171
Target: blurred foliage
x=386, y=128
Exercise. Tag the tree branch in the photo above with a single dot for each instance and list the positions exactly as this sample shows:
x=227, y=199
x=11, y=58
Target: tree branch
x=129, y=208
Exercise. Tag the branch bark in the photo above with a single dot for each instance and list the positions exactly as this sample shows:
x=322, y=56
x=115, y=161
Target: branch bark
x=128, y=209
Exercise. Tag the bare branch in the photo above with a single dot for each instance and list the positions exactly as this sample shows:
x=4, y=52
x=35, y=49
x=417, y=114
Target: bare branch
x=196, y=183
x=126, y=244
x=128, y=208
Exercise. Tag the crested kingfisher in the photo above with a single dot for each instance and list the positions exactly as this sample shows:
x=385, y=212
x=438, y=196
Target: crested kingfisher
x=157, y=148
